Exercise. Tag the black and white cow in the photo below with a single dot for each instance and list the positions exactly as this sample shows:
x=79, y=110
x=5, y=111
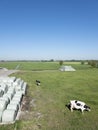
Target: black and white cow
x=78, y=105
x=38, y=82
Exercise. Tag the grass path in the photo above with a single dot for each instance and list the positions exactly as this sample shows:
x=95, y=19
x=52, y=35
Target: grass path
x=17, y=67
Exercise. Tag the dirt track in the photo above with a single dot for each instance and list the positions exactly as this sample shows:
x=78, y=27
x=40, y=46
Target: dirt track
x=5, y=73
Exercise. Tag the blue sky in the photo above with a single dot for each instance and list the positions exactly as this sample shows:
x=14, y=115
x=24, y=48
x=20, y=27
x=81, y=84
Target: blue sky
x=48, y=29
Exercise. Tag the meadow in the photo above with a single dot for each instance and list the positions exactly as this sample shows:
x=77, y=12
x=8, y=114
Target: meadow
x=47, y=103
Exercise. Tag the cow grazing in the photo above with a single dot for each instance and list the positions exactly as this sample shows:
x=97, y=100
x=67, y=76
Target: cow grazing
x=78, y=105
x=38, y=82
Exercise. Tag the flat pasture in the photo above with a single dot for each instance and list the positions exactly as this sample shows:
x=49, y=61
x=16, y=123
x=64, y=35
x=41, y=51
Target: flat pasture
x=47, y=103
x=39, y=66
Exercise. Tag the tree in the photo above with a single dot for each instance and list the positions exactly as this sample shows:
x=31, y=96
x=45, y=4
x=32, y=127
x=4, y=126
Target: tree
x=93, y=63
x=82, y=62
x=97, y=65
x=61, y=62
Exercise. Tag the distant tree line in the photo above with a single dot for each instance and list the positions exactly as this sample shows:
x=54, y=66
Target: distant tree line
x=93, y=63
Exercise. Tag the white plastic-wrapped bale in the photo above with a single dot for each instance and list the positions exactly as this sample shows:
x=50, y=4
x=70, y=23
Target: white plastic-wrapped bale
x=5, y=98
x=4, y=87
x=17, y=99
x=24, y=87
x=15, y=102
x=18, y=94
x=8, y=80
x=1, y=112
x=12, y=79
x=17, y=82
x=1, y=92
x=19, y=87
x=8, y=116
x=3, y=79
x=13, y=107
x=9, y=95
x=3, y=105
x=21, y=83
x=11, y=90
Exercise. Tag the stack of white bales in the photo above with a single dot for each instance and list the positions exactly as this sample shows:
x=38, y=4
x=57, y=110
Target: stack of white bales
x=12, y=90
x=67, y=68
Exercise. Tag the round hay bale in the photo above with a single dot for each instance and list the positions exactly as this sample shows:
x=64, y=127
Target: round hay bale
x=12, y=79
x=18, y=96
x=13, y=107
x=24, y=87
x=4, y=87
x=18, y=93
x=15, y=102
x=17, y=81
x=17, y=99
x=18, y=88
x=5, y=99
x=11, y=90
x=9, y=95
x=3, y=105
x=8, y=116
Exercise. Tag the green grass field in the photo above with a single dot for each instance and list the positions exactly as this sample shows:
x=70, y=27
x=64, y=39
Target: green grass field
x=48, y=112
